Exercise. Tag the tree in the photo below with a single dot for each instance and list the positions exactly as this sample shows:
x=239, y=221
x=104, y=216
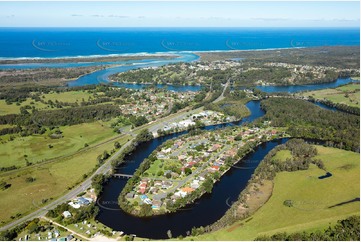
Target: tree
x=145, y=210
x=187, y=171
x=208, y=185
x=117, y=145
x=105, y=155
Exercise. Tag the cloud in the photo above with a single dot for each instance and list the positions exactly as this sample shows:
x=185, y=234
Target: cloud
x=97, y=16
x=343, y=20
x=270, y=19
x=76, y=15
x=117, y=16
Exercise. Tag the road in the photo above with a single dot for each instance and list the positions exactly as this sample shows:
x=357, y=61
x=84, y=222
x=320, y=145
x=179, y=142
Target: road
x=104, y=169
x=221, y=97
x=69, y=230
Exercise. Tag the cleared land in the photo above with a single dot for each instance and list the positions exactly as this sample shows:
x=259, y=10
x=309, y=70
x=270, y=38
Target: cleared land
x=36, y=148
x=282, y=155
x=14, y=108
x=69, y=97
x=311, y=196
x=348, y=95
x=51, y=181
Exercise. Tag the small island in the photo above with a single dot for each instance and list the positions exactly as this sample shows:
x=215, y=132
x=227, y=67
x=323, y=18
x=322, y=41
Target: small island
x=183, y=169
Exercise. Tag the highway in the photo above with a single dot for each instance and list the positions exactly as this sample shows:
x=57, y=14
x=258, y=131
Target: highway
x=106, y=167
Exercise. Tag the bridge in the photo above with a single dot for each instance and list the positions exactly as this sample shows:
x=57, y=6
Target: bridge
x=120, y=175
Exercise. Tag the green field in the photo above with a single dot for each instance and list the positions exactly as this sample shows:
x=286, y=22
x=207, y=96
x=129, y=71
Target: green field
x=52, y=180
x=282, y=155
x=14, y=109
x=311, y=196
x=348, y=94
x=36, y=147
x=70, y=97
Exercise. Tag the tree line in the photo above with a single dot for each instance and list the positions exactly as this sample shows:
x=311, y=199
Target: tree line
x=345, y=230
x=304, y=119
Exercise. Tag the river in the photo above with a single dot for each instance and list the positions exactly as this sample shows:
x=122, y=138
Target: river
x=208, y=209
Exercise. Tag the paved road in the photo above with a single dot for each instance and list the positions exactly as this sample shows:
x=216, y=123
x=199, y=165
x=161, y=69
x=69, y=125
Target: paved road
x=104, y=169
x=221, y=97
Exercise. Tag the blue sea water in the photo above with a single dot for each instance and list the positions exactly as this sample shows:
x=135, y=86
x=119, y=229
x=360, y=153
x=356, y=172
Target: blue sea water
x=71, y=42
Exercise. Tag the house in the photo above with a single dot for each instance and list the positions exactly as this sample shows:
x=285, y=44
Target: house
x=179, y=194
x=166, y=184
x=195, y=184
x=143, y=185
x=82, y=201
x=69, y=237
x=153, y=190
x=167, y=150
x=214, y=168
x=202, y=176
x=187, y=189
x=186, y=123
x=156, y=204
x=56, y=233
x=66, y=214
x=157, y=183
x=142, y=190
x=231, y=152
x=214, y=147
x=74, y=205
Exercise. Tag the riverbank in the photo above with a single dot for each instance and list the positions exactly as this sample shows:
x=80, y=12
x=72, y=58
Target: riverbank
x=312, y=200
x=157, y=185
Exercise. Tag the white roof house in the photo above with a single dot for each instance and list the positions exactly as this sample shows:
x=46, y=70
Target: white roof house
x=66, y=214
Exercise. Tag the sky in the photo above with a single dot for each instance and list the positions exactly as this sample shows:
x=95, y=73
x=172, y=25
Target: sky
x=180, y=14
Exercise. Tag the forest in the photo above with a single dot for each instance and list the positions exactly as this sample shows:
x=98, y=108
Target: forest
x=304, y=119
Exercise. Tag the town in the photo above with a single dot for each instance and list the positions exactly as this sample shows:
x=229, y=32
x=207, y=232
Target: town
x=188, y=164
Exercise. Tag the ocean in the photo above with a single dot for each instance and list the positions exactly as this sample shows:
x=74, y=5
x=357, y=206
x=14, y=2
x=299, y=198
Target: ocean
x=73, y=42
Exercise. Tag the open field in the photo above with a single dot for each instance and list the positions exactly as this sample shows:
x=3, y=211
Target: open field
x=51, y=180
x=348, y=94
x=36, y=148
x=312, y=199
x=71, y=96
x=282, y=155
x=15, y=109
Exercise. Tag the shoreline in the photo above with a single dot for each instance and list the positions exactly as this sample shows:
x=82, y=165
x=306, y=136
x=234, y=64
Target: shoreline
x=157, y=54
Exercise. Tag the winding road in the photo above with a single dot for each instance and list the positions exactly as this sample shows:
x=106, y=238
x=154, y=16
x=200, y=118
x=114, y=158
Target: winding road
x=104, y=169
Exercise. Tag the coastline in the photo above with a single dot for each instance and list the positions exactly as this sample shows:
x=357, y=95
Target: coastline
x=159, y=53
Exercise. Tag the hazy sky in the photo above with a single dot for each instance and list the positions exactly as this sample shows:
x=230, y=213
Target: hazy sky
x=180, y=14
